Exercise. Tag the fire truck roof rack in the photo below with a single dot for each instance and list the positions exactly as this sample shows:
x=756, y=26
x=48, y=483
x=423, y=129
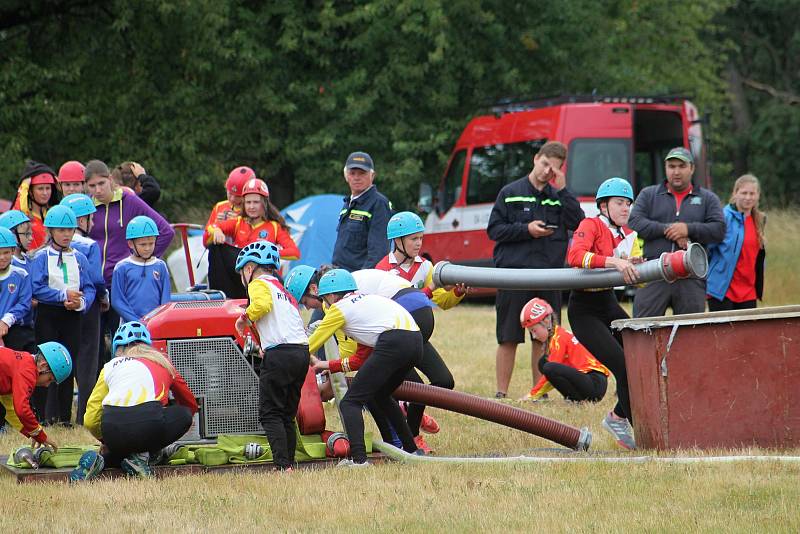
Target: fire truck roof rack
x=509, y=105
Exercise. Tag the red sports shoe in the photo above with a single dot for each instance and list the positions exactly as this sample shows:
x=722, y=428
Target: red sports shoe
x=420, y=441
x=429, y=424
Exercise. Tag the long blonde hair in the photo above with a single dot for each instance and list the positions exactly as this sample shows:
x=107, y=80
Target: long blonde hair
x=145, y=352
x=759, y=217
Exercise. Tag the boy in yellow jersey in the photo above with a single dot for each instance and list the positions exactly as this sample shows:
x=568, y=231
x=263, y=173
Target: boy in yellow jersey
x=387, y=330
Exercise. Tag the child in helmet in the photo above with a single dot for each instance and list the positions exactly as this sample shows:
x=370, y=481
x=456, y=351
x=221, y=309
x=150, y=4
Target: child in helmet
x=36, y=194
x=86, y=363
x=273, y=311
x=566, y=365
x=62, y=285
x=140, y=282
x=20, y=373
x=222, y=257
x=71, y=178
x=392, y=336
x=20, y=335
x=602, y=242
x=15, y=291
x=129, y=409
x=260, y=221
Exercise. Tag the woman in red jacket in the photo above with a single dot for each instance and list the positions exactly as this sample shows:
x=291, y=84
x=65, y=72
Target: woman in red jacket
x=261, y=220
x=606, y=242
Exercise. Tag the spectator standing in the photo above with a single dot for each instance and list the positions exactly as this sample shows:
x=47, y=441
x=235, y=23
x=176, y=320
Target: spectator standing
x=530, y=224
x=361, y=234
x=736, y=265
x=36, y=194
x=71, y=179
x=668, y=217
x=133, y=176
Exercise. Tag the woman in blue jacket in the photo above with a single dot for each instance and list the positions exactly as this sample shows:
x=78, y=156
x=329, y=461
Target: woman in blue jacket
x=736, y=265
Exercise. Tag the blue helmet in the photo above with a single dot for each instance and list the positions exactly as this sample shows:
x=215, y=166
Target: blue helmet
x=132, y=332
x=614, y=187
x=262, y=253
x=297, y=281
x=81, y=204
x=57, y=357
x=337, y=281
x=60, y=217
x=13, y=218
x=7, y=238
x=141, y=226
x=403, y=224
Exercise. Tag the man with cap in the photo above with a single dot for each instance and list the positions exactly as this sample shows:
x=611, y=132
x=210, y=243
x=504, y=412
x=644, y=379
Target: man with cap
x=668, y=217
x=361, y=235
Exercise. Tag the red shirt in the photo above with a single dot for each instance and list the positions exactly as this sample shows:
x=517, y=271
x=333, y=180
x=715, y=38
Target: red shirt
x=743, y=282
x=679, y=196
x=222, y=211
x=243, y=234
x=593, y=242
x=18, y=376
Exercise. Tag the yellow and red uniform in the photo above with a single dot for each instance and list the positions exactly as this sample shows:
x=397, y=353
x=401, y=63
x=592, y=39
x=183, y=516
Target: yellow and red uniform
x=126, y=381
x=420, y=274
x=564, y=348
x=595, y=240
x=243, y=234
x=222, y=211
x=37, y=223
x=18, y=376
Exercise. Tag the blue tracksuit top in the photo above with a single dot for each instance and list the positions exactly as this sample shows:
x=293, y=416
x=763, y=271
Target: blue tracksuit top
x=138, y=287
x=24, y=263
x=53, y=272
x=15, y=295
x=89, y=248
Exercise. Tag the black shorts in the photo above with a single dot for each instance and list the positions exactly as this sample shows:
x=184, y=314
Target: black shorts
x=509, y=303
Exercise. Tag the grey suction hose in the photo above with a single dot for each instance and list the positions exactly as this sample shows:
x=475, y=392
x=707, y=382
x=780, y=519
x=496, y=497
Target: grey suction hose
x=670, y=266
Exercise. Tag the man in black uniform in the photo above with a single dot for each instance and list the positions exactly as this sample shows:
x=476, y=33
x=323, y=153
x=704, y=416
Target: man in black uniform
x=530, y=224
x=361, y=235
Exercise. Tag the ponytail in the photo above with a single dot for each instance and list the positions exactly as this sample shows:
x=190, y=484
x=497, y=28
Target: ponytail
x=143, y=351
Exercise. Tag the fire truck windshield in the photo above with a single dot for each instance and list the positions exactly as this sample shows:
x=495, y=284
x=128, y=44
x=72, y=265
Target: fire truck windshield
x=591, y=161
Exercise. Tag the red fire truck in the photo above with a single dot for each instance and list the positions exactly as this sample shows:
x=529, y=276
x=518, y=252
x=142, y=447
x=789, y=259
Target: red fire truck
x=606, y=136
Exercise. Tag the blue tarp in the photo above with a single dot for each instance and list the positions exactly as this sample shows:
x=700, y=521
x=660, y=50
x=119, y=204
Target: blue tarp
x=312, y=221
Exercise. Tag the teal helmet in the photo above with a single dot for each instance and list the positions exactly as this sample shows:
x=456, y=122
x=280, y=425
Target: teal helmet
x=131, y=332
x=13, y=218
x=614, y=187
x=7, y=238
x=403, y=224
x=262, y=253
x=60, y=217
x=57, y=357
x=337, y=281
x=81, y=204
x=141, y=226
x=297, y=281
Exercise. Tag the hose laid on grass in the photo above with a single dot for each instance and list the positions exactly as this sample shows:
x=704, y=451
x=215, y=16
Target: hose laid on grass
x=400, y=455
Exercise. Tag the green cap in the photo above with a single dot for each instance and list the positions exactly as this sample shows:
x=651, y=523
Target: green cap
x=680, y=153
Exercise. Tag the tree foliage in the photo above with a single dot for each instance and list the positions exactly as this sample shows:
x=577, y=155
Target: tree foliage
x=192, y=88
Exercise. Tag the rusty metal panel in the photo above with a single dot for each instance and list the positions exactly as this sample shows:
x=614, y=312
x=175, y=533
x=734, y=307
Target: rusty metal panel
x=724, y=379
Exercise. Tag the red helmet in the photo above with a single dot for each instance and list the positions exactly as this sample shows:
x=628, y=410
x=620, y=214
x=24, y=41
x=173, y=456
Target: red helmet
x=534, y=312
x=71, y=171
x=237, y=178
x=256, y=186
x=43, y=178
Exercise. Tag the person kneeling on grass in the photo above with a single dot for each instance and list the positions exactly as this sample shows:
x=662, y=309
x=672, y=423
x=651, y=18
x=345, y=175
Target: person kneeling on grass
x=129, y=410
x=384, y=328
x=20, y=373
x=284, y=343
x=566, y=365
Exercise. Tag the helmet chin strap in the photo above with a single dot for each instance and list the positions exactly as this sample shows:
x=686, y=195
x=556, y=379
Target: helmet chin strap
x=59, y=248
x=402, y=249
x=22, y=247
x=611, y=221
x=138, y=255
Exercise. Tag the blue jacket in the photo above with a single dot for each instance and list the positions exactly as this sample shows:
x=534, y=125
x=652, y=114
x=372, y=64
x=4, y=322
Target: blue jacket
x=138, y=288
x=25, y=264
x=361, y=240
x=50, y=280
x=722, y=257
x=89, y=248
x=15, y=296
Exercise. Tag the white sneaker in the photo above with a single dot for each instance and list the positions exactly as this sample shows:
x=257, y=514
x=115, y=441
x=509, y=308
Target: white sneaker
x=621, y=430
x=347, y=462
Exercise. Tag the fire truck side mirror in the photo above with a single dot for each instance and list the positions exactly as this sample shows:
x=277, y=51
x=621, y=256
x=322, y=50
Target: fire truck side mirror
x=425, y=204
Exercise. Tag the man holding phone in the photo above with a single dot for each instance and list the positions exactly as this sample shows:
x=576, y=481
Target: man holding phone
x=530, y=224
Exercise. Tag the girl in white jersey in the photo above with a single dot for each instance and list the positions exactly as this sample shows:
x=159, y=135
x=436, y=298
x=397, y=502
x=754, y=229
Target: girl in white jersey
x=284, y=366
x=388, y=330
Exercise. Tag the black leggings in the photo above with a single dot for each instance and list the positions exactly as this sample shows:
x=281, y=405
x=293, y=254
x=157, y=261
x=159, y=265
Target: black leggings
x=573, y=384
x=727, y=304
x=590, y=314
x=395, y=353
x=283, y=371
x=56, y=323
x=147, y=427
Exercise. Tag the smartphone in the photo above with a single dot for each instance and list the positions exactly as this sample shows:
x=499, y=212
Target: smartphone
x=551, y=226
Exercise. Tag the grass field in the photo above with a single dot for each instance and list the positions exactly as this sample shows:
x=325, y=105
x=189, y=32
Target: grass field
x=593, y=497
